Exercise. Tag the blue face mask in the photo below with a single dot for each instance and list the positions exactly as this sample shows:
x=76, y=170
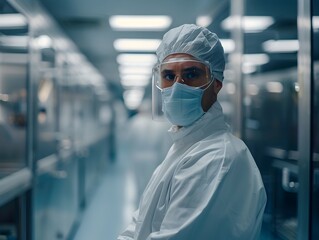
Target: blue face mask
x=182, y=104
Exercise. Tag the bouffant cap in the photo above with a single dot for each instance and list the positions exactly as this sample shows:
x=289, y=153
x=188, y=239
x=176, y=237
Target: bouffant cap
x=196, y=41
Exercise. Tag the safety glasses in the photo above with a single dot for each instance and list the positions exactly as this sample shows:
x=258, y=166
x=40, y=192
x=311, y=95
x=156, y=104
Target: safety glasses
x=190, y=72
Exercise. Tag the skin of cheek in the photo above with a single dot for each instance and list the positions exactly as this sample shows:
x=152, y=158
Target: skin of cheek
x=210, y=95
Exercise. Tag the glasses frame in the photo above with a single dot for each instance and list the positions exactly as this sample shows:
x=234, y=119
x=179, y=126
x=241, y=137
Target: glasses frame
x=157, y=74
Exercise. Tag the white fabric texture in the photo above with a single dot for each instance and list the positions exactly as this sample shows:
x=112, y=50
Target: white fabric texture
x=196, y=41
x=208, y=187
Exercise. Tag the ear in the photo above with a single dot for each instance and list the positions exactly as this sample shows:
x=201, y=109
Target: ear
x=217, y=85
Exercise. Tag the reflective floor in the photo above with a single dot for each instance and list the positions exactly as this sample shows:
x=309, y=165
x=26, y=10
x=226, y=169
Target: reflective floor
x=111, y=206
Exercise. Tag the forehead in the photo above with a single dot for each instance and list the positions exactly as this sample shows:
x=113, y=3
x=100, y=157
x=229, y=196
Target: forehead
x=177, y=56
x=181, y=61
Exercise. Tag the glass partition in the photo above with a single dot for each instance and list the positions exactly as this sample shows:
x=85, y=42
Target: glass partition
x=66, y=111
x=270, y=108
x=315, y=113
x=47, y=117
x=14, y=50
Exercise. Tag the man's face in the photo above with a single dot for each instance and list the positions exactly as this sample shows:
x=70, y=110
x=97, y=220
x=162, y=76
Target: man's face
x=210, y=94
x=185, y=70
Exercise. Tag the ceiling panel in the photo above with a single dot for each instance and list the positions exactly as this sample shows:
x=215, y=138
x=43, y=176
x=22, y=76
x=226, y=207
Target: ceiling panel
x=86, y=22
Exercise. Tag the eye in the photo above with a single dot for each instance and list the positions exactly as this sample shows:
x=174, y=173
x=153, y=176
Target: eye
x=191, y=74
x=168, y=76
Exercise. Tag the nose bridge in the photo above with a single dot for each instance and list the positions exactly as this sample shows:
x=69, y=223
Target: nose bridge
x=178, y=76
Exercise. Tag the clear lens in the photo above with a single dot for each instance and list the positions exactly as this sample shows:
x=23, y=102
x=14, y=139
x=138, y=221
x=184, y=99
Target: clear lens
x=157, y=112
x=190, y=72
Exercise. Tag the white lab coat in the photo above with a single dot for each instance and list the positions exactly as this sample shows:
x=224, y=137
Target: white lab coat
x=208, y=187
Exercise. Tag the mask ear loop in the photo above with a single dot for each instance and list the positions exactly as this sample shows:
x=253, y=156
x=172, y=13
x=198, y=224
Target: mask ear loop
x=210, y=83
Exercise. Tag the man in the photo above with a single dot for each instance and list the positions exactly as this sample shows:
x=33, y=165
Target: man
x=208, y=186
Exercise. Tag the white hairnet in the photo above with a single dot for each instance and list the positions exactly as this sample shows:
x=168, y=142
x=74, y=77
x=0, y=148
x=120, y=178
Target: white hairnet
x=196, y=41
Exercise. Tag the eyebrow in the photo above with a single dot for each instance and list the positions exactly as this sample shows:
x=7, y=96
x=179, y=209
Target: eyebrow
x=185, y=69
x=192, y=67
x=167, y=71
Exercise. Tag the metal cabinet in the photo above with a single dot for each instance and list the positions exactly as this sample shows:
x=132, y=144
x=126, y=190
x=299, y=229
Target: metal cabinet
x=15, y=170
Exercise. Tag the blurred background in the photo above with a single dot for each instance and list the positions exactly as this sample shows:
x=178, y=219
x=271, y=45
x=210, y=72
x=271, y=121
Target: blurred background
x=77, y=139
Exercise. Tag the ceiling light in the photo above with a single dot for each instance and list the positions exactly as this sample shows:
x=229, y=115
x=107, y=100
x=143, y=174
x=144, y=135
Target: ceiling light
x=136, y=80
x=12, y=20
x=136, y=59
x=228, y=45
x=274, y=87
x=125, y=70
x=45, y=91
x=249, y=23
x=133, y=98
x=256, y=59
x=257, y=24
x=136, y=45
x=142, y=23
x=204, y=21
x=248, y=68
x=252, y=61
x=127, y=83
x=44, y=41
x=281, y=46
x=315, y=22
x=14, y=41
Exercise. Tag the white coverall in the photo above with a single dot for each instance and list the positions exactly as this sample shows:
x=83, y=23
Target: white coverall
x=208, y=187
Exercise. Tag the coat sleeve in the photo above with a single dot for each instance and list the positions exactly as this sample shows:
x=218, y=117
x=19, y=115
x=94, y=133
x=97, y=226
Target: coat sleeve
x=129, y=232
x=213, y=198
